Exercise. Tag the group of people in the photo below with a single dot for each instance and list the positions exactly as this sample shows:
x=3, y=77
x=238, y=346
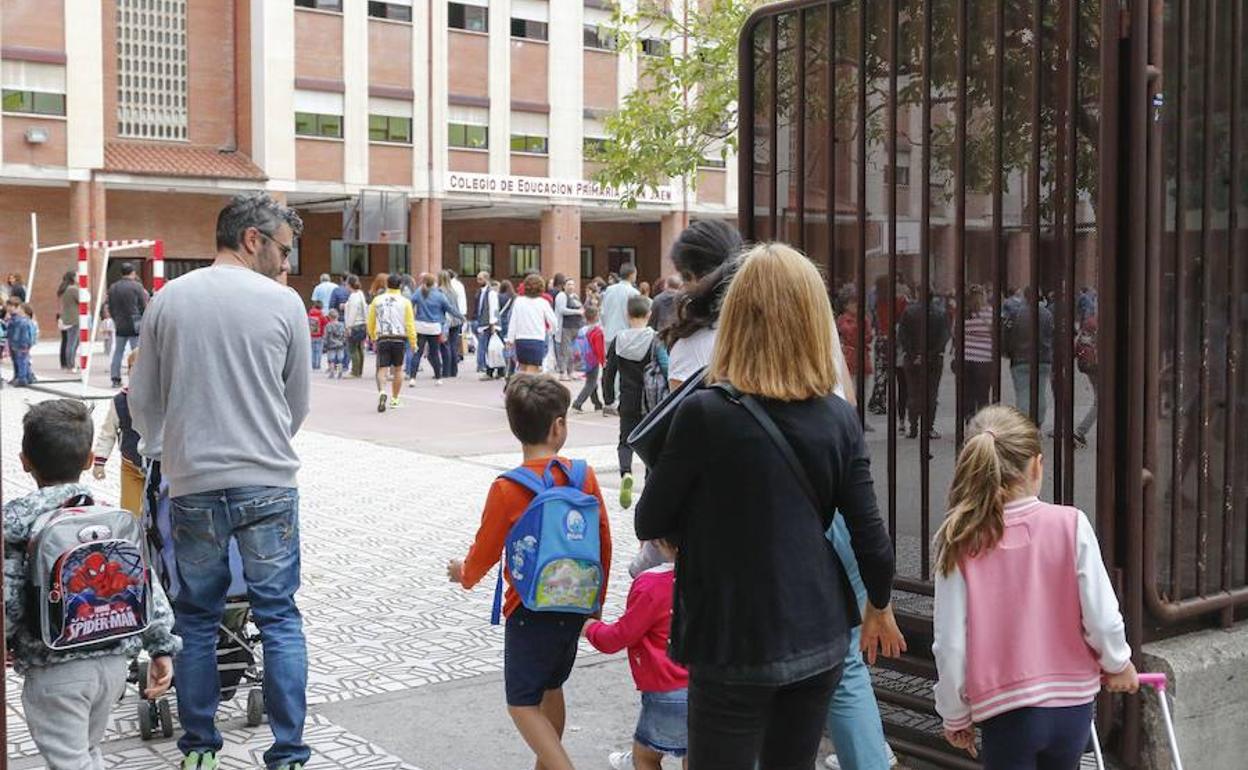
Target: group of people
x=765, y=573
x=898, y=319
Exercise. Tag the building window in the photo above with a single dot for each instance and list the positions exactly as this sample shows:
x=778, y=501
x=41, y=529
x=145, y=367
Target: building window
x=902, y=177
x=537, y=145
x=296, y=267
x=476, y=258
x=468, y=136
x=618, y=255
x=151, y=69
x=470, y=17
x=600, y=38
x=348, y=258
x=383, y=128
x=525, y=259
x=397, y=260
x=322, y=5
x=34, y=102
x=531, y=30
x=313, y=124
x=651, y=46
x=392, y=11
x=712, y=163
x=587, y=262
x=593, y=146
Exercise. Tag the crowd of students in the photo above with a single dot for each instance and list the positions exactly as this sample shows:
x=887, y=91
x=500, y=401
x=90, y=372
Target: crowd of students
x=765, y=575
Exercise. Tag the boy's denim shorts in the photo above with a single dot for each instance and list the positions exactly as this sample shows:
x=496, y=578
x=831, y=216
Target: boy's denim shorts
x=539, y=650
x=664, y=722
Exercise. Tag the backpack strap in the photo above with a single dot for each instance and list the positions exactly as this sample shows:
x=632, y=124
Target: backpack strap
x=577, y=474
x=527, y=479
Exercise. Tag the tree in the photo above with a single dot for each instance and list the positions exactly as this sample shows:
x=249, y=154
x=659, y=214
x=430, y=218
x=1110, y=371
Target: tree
x=685, y=106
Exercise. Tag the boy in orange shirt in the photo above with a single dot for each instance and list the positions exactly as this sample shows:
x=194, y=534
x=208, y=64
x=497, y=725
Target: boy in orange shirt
x=539, y=648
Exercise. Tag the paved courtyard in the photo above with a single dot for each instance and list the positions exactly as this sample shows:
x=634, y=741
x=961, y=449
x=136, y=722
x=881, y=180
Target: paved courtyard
x=405, y=669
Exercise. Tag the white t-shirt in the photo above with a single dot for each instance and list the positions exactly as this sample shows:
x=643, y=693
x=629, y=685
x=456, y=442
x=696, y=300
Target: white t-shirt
x=690, y=354
x=530, y=318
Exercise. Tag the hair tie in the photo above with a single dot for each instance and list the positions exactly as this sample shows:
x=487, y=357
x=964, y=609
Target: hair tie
x=990, y=433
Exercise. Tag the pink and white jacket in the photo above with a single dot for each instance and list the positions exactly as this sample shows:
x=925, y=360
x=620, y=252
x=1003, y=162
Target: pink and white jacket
x=1033, y=622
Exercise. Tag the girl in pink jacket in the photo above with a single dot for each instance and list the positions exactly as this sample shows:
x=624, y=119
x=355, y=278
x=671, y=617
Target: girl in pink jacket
x=644, y=628
x=1026, y=621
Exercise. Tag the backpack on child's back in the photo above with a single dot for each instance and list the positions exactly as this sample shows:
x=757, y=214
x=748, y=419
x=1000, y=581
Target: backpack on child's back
x=552, y=552
x=89, y=576
x=583, y=356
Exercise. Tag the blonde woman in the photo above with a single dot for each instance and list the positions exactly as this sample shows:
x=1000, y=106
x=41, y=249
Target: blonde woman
x=764, y=610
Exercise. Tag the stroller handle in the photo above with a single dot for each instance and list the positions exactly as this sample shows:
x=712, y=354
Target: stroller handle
x=1157, y=681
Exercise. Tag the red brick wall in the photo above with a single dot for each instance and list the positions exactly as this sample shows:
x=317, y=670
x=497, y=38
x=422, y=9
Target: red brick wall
x=52, y=206
x=319, y=160
x=318, y=231
x=210, y=68
x=34, y=24
x=644, y=236
x=318, y=45
x=529, y=165
x=242, y=74
x=18, y=150
x=469, y=55
x=601, y=80
x=469, y=160
x=389, y=54
x=712, y=186
x=389, y=165
x=529, y=71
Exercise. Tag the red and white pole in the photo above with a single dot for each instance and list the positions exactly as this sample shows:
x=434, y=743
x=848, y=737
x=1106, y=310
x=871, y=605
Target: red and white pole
x=158, y=266
x=84, y=310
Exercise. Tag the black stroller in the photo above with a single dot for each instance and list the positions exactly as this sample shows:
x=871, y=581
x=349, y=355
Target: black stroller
x=238, y=661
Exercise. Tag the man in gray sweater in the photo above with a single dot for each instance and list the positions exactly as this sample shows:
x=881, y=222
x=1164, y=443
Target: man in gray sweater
x=223, y=381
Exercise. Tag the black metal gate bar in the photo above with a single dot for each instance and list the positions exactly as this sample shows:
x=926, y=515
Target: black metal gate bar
x=773, y=131
x=959, y=231
x=1037, y=136
x=1230, y=461
x=1202, y=274
x=998, y=209
x=925, y=292
x=1179, y=395
x=862, y=206
x=799, y=157
x=1065, y=417
x=890, y=183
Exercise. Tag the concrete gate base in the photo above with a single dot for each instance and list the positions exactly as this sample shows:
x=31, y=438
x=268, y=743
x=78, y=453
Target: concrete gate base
x=1208, y=673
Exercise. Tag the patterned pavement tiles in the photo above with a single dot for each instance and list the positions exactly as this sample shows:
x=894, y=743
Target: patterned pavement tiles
x=378, y=525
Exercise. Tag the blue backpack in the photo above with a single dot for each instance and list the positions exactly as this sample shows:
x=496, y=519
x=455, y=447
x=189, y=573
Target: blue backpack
x=553, y=553
x=583, y=352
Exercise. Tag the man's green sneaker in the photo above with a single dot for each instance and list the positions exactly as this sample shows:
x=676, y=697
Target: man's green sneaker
x=200, y=760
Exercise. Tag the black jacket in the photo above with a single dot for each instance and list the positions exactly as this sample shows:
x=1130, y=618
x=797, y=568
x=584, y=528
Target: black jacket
x=757, y=582
x=910, y=331
x=127, y=299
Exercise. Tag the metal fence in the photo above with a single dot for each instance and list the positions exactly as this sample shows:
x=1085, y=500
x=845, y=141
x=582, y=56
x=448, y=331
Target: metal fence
x=1044, y=198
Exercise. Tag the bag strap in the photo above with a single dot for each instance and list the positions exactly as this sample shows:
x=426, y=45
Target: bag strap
x=777, y=437
x=526, y=478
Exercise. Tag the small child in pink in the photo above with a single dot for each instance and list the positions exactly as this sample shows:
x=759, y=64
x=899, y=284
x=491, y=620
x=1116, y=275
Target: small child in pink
x=644, y=628
x=1026, y=620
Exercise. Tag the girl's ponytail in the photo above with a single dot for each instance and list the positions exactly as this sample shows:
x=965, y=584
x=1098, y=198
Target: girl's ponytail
x=993, y=463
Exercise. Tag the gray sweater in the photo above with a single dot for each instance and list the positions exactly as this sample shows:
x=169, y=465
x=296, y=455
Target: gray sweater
x=223, y=376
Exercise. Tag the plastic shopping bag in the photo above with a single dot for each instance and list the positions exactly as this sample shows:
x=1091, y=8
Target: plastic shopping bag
x=494, y=353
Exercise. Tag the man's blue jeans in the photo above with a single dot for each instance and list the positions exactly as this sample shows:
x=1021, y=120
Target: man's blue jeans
x=853, y=715
x=318, y=345
x=1021, y=374
x=119, y=347
x=265, y=523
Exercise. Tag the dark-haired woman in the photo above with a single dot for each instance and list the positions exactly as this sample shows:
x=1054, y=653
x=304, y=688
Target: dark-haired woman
x=67, y=321
x=703, y=254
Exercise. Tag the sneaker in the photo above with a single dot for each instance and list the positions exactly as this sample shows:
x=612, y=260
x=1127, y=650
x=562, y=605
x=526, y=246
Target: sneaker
x=382, y=398
x=835, y=764
x=200, y=760
x=116, y=383
x=395, y=403
x=610, y=411
x=626, y=491
x=578, y=409
x=411, y=383
x=620, y=760
x=438, y=382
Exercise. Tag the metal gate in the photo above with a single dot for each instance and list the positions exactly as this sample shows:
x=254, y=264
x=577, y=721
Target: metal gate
x=1011, y=190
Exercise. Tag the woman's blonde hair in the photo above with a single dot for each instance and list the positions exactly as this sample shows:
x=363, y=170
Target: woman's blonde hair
x=776, y=332
x=992, y=465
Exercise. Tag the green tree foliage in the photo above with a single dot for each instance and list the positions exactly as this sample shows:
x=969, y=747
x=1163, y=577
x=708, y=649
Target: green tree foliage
x=685, y=106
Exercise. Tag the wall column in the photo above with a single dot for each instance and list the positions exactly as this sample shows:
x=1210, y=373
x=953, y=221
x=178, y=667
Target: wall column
x=355, y=100
x=425, y=225
x=670, y=228
x=561, y=241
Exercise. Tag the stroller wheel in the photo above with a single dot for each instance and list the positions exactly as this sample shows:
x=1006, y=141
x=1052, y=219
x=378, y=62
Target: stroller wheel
x=255, y=707
x=166, y=718
x=147, y=719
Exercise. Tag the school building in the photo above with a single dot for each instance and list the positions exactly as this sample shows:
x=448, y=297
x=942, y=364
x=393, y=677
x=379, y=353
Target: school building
x=412, y=135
